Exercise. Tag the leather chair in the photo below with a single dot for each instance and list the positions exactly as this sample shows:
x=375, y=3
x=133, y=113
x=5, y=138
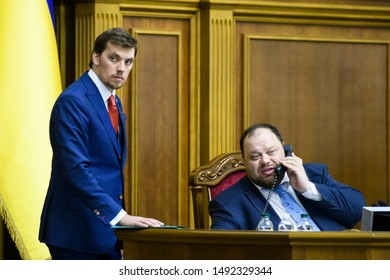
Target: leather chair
x=208, y=180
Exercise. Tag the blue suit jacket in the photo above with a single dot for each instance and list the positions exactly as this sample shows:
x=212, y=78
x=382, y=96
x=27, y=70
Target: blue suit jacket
x=240, y=206
x=86, y=186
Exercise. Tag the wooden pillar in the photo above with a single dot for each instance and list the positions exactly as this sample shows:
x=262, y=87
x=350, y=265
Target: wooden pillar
x=217, y=81
x=91, y=20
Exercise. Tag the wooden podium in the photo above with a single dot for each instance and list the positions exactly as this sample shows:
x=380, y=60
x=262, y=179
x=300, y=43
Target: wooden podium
x=189, y=244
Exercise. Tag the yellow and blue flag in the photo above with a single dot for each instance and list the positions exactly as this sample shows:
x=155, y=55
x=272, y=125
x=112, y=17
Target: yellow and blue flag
x=29, y=84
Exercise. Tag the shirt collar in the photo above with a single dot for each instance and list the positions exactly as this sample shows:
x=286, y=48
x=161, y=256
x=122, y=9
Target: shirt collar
x=103, y=90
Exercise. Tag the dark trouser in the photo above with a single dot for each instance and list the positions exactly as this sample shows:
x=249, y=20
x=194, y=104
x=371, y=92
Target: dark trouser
x=58, y=253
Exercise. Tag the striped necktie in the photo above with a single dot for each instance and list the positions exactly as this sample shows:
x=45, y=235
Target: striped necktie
x=292, y=207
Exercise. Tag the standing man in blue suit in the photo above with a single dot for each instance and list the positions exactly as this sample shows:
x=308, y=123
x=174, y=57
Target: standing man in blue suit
x=333, y=206
x=85, y=194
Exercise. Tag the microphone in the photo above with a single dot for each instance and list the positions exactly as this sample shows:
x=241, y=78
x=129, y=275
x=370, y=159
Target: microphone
x=380, y=203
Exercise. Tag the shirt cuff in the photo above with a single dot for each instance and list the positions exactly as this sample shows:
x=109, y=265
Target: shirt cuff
x=312, y=193
x=117, y=218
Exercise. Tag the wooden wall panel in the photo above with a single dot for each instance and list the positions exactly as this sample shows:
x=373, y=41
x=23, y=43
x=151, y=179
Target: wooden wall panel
x=156, y=100
x=318, y=69
x=156, y=132
x=327, y=91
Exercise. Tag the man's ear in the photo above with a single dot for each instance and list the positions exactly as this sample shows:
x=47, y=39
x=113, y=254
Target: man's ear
x=95, y=58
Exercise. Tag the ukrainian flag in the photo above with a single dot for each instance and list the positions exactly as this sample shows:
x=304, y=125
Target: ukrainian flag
x=29, y=84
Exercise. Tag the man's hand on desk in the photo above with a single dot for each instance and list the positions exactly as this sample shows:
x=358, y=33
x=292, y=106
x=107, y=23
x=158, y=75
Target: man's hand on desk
x=129, y=220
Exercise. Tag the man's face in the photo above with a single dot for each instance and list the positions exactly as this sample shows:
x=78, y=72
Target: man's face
x=262, y=152
x=113, y=66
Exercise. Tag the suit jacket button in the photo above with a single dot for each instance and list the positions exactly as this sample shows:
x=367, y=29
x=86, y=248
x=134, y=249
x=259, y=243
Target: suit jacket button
x=120, y=196
x=96, y=212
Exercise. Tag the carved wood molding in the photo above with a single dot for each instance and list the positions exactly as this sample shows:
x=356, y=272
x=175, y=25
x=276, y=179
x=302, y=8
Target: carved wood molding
x=211, y=173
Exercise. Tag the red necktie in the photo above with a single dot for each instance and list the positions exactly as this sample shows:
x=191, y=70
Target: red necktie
x=113, y=112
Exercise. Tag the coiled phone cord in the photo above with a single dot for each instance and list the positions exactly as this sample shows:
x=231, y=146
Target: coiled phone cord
x=270, y=193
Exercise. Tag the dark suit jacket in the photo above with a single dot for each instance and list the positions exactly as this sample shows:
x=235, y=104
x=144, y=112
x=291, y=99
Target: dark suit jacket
x=240, y=206
x=86, y=186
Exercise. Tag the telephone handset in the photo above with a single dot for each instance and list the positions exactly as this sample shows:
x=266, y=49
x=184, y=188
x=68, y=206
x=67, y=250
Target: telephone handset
x=280, y=169
x=279, y=173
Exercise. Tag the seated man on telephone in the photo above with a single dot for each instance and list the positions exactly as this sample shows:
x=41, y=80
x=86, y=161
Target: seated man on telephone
x=331, y=205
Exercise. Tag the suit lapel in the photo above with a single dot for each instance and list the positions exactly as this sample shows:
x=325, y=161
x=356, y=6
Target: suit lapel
x=254, y=196
x=98, y=104
x=123, y=136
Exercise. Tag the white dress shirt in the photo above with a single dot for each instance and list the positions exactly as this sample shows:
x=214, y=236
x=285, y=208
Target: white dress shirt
x=275, y=202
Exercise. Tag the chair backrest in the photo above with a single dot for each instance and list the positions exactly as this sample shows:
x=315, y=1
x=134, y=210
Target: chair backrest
x=208, y=180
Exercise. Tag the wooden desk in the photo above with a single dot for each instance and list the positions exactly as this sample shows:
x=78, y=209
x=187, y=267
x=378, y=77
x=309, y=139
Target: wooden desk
x=187, y=244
